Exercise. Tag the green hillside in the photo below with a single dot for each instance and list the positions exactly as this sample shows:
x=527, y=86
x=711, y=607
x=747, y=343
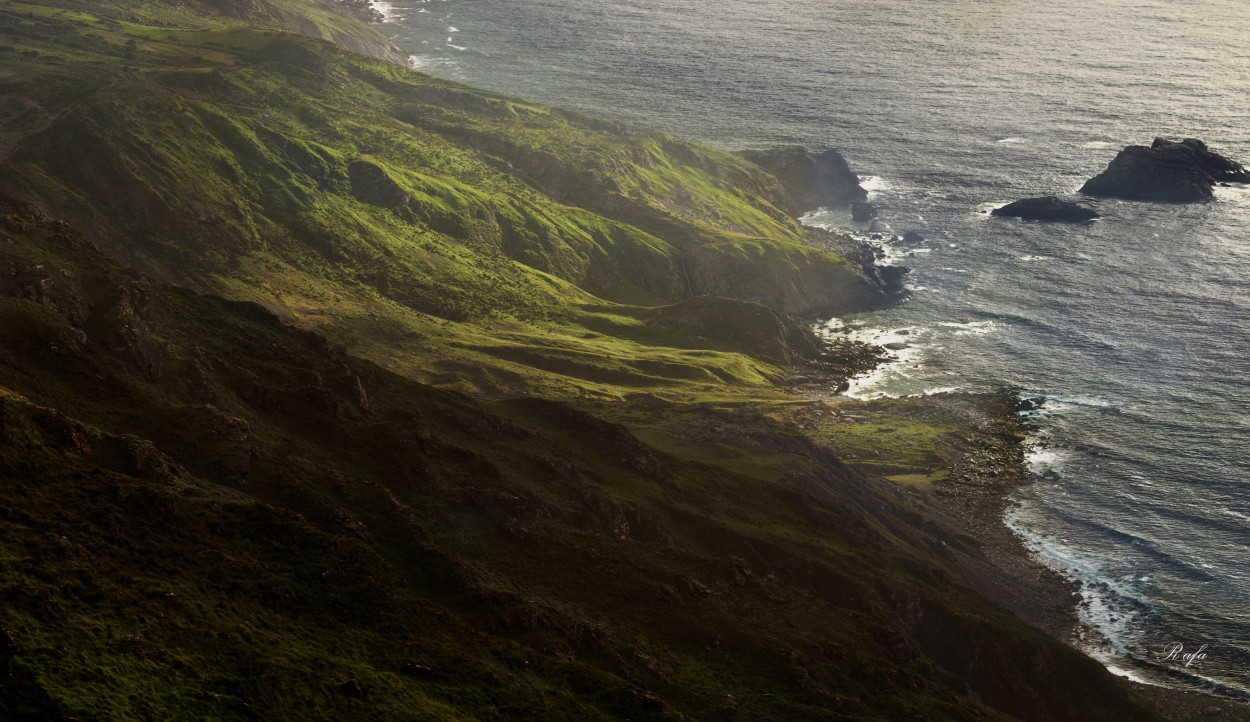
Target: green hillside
x=333, y=390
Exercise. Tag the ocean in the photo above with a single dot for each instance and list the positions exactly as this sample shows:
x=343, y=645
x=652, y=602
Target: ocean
x=1132, y=330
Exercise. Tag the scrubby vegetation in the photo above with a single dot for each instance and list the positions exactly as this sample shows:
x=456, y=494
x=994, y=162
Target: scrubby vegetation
x=331, y=390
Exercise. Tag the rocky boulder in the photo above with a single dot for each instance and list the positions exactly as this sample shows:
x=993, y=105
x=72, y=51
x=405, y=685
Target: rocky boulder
x=1048, y=208
x=1171, y=171
x=813, y=180
x=910, y=238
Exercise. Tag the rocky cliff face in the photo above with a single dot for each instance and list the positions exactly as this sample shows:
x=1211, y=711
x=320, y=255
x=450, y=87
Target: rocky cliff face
x=813, y=180
x=1171, y=171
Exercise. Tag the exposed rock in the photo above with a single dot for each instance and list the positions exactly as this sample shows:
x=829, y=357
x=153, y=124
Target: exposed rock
x=372, y=185
x=912, y=238
x=813, y=180
x=862, y=211
x=56, y=289
x=893, y=276
x=1048, y=208
x=1169, y=171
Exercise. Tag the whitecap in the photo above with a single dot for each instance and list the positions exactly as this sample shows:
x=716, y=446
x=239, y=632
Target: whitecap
x=1109, y=604
x=1043, y=459
x=874, y=183
x=985, y=210
x=1097, y=144
x=1082, y=400
x=909, y=349
x=1011, y=141
x=425, y=62
x=1121, y=672
x=1035, y=258
x=971, y=328
x=387, y=9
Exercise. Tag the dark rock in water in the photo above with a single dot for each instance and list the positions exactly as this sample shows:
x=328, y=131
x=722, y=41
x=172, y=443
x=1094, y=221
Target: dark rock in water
x=862, y=211
x=1048, y=208
x=893, y=276
x=912, y=238
x=895, y=346
x=813, y=180
x=1169, y=171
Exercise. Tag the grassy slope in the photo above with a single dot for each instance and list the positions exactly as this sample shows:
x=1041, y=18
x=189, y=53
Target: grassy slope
x=212, y=513
x=404, y=216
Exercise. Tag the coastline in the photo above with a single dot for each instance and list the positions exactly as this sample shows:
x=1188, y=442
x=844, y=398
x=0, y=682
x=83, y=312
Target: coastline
x=986, y=461
x=1000, y=153
x=987, y=464
x=490, y=482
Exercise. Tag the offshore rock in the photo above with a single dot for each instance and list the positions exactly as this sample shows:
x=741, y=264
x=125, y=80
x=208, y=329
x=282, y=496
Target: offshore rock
x=1048, y=208
x=1168, y=171
x=813, y=180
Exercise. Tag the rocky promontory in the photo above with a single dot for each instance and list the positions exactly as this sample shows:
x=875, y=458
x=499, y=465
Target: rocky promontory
x=814, y=180
x=1183, y=171
x=1048, y=208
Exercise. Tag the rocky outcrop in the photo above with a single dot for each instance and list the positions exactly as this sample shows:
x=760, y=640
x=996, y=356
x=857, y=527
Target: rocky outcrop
x=362, y=38
x=910, y=238
x=1048, y=208
x=813, y=180
x=1170, y=171
x=862, y=211
x=372, y=185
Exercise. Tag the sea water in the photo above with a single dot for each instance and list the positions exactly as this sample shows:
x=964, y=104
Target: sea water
x=1131, y=329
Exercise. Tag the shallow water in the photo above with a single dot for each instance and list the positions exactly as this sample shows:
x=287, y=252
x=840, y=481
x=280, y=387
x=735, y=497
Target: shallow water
x=1131, y=328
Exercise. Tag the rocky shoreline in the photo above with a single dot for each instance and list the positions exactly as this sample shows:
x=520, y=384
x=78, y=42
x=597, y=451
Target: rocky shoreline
x=986, y=461
x=987, y=466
